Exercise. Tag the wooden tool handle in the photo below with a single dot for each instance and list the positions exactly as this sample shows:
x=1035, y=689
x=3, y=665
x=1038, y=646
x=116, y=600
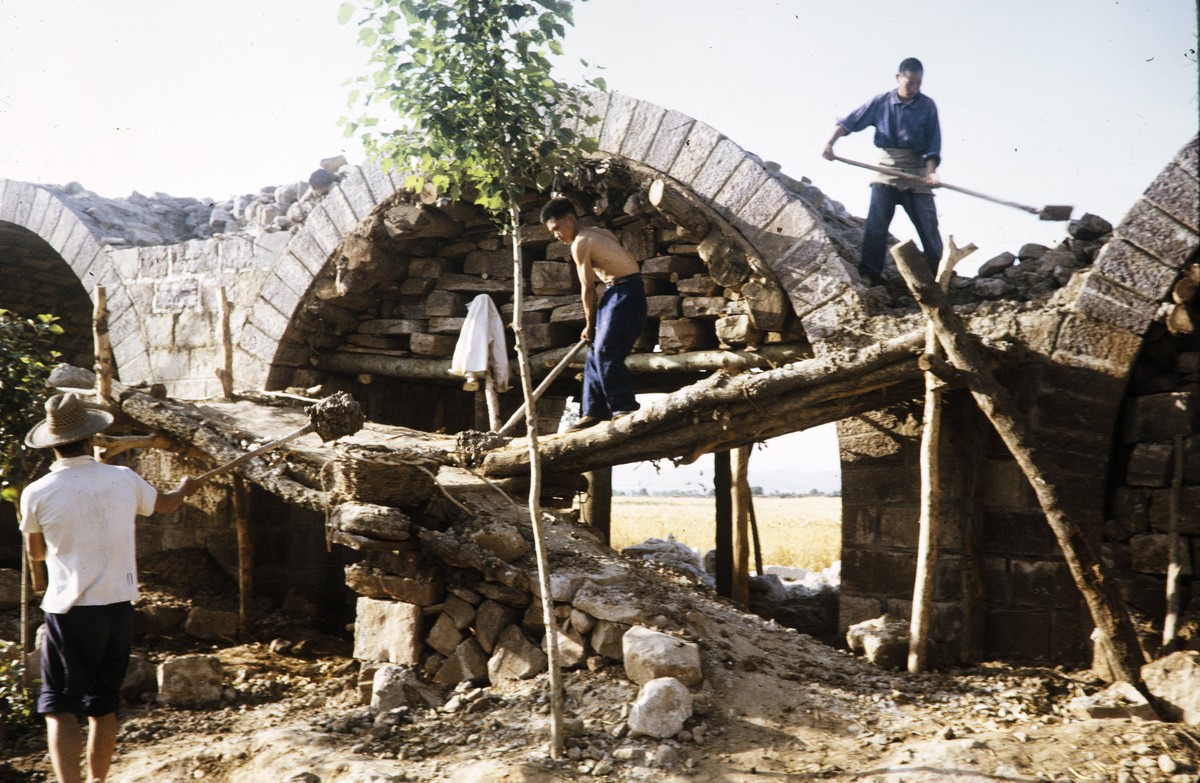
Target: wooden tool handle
x=249, y=455
x=946, y=185
x=537, y=393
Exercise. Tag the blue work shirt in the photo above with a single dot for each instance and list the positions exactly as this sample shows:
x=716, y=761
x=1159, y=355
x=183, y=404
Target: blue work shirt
x=913, y=125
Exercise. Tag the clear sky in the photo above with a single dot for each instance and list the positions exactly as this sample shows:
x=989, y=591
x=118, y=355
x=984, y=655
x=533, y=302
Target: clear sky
x=1065, y=102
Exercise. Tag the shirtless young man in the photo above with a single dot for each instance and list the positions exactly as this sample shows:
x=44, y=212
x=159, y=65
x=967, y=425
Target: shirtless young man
x=613, y=321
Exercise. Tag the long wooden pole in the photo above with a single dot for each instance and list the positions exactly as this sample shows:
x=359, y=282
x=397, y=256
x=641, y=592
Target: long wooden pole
x=225, y=372
x=741, y=526
x=1174, y=552
x=931, y=496
x=245, y=543
x=557, y=737
x=1112, y=620
x=102, y=347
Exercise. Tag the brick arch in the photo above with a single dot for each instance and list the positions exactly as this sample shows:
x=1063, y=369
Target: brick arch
x=263, y=342
x=757, y=201
x=41, y=212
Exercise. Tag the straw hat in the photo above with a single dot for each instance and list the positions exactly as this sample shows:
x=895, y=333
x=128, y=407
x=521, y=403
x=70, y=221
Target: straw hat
x=67, y=420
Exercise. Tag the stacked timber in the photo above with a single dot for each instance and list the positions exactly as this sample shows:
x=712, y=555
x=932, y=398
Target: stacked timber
x=704, y=287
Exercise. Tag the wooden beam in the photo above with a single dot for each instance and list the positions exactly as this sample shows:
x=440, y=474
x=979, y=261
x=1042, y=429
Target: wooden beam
x=1119, y=640
x=597, y=507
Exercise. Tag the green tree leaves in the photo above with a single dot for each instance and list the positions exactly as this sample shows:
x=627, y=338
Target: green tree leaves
x=462, y=94
x=26, y=359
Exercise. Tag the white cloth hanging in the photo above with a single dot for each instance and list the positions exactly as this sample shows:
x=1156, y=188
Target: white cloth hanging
x=481, y=347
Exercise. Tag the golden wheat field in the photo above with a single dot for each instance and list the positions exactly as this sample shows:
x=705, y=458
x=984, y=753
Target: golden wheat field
x=803, y=532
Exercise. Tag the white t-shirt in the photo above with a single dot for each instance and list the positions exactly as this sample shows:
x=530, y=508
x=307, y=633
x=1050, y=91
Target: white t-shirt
x=86, y=511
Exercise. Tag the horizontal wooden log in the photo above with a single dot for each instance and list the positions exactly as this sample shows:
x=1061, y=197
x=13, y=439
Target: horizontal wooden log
x=678, y=208
x=376, y=342
x=768, y=305
x=435, y=346
x=662, y=306
x=497, y=264
x=445, y=304
x=672, y=267
x=188, y=425
x=431, y=267
x=727, y=262
x=539, y=337
x=384, y=326
x=468, y=284
x=442, y=325
x=418, y=286
x=368, y=519
x=553, y=278
x=697, y=285
x=684, y=334
x=768, y=356
x=568, y=314
x=703, y=307
x=725, y=412
x=737, y=331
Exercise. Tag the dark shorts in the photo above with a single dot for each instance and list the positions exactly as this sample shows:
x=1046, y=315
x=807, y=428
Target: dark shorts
x=84, y=658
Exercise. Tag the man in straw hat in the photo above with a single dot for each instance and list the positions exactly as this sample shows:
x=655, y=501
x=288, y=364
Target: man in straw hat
x=79, y=519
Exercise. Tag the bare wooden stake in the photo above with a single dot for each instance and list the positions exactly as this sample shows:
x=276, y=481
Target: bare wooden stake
x=722, y=490
x=931, y=496
x=557, y=738
x=102, y=347
x=1118, y=638
x=741, y=526
x=1175, y=553
x=241, y=514
x=225, y=372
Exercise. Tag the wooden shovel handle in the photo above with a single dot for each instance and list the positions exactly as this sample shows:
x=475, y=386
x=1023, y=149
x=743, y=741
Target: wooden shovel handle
x=946, y=185
x=537, y=393
x=249, y=455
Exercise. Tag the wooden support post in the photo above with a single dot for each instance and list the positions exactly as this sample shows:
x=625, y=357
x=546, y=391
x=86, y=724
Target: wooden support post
x=722, y=484
x=492, y=398
x=1112, y=620
x=597, y=508
x=931, y=496
x=241, y=514
x=1175, y=553
x=102, y=347
x=225, y=372
x=741, y=526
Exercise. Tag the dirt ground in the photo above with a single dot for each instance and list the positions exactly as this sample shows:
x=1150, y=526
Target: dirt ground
x=775, y=706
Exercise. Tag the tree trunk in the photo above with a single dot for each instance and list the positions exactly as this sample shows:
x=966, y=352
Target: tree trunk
x=1109, y=614
x=931, y=495
x=697, y=420
x=557, y=740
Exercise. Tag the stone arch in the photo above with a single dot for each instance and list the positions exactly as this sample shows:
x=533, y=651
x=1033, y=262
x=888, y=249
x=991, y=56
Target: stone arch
x=787, y=222
x=266, y=339
x=43, y=214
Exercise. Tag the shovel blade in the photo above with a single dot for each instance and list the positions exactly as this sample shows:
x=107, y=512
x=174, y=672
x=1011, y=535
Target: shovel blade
x=1055, y=213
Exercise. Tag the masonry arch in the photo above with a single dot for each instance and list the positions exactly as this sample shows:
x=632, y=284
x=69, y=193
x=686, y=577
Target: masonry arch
x=42, y=225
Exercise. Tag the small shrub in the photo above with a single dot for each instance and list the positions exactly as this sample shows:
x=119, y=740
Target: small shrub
x=18, y=709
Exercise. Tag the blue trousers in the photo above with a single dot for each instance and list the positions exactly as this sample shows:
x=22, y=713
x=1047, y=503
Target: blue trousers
x=921, y=211
x=607, y=382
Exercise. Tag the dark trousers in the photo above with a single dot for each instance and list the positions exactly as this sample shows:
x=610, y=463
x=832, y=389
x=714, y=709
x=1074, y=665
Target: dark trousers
x=84, y=658
x=607, y=382
x=921, y=211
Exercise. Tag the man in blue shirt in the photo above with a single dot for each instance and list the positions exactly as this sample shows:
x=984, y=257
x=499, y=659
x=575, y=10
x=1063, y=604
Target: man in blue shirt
x=909, y=138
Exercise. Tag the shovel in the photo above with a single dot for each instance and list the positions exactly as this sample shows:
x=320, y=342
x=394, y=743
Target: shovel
x=545, y=384
x=1045, y=213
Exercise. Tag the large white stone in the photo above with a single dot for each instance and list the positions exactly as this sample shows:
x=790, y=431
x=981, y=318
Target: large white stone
x=661, y=708
x=190, y=681
x=515, y=658
x=387, y=631
x=1176, y=680
x=651, y=654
